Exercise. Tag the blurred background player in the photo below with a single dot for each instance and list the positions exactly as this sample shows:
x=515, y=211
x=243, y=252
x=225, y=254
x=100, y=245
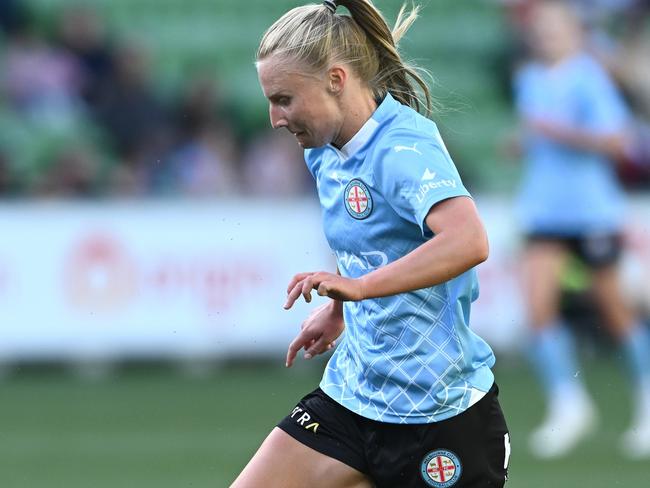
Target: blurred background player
x=570, y=202
x=408, y=398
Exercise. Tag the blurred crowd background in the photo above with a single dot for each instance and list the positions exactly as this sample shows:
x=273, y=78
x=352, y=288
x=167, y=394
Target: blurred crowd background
x=120, y=98
x=143, y=98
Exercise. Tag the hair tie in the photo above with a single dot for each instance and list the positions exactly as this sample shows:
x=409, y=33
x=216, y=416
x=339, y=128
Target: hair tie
x=331, y=5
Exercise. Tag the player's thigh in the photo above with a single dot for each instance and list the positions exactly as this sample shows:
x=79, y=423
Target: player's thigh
x=283, y=462
x=543, y=262
x=616, y=308
x=607, y=283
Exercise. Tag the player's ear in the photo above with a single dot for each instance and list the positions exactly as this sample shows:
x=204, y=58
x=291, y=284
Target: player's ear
x=336, y=78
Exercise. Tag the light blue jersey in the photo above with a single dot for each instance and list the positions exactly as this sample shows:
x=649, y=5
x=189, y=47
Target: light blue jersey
x=408, y=358
x=568, y=191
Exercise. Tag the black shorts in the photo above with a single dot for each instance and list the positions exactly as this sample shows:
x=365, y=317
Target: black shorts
x=595, y=250
x=469, y=450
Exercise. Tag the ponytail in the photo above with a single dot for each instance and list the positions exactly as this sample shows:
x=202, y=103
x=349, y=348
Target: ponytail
x=394, y=75
x=319, y=37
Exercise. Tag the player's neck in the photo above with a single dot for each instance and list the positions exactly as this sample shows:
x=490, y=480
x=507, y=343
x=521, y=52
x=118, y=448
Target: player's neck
x=358, y=107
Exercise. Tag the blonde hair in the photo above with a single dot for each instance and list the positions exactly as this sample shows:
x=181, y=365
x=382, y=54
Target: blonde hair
x=319, y=38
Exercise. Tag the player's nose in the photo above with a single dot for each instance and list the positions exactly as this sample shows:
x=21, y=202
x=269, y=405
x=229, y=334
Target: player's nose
x=278, y=119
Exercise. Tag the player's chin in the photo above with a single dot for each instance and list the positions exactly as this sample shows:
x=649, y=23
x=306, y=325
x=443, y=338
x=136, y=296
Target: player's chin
x=308, y=142
x=307, y=145
x=301, y=138
x=307, y=139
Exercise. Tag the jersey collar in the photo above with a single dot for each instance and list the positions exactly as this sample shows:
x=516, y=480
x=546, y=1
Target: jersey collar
x=387, y=107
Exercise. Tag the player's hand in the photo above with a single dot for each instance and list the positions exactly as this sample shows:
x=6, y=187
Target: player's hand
x=326, y=285
x=318, y=332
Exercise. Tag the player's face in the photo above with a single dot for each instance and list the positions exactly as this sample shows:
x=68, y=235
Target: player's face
x=554, y=33
x=300, y=102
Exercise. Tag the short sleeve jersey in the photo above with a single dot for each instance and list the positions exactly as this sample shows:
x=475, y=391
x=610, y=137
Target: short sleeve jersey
x=568, y=191
x=411, y=357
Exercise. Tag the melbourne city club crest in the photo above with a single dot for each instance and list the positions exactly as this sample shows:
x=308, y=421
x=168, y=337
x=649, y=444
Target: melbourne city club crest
x=441, y=469
x=358, y=200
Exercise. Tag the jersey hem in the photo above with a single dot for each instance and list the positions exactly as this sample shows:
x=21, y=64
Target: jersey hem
x=482, y=385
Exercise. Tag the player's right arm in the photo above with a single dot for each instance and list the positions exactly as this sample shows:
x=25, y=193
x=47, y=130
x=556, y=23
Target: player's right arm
x=611, y=145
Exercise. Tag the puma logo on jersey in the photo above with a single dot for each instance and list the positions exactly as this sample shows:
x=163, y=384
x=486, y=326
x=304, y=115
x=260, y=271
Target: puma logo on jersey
x=407, y=148
x=428, y=175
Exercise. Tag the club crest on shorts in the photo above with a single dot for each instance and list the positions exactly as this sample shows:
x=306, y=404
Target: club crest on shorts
x=441, y=468
x=358, y=200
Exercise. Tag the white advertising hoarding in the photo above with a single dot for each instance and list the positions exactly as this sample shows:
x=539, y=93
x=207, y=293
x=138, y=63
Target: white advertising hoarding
x=161, y=279
x=184, y=279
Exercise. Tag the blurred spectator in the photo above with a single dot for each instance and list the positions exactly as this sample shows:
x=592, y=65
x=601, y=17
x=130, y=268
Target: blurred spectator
x=7, y=180
x=73, y=172
x=202, y=165
x=135, y=119
x=628, y=62
x=602, y=19
x=40, y=82
x=631, y=67
x=202, y=161
x=13, y=15
x=571, y=204
x=634, y=170
x=201, y=105
x=82, y=32
x=273, y=166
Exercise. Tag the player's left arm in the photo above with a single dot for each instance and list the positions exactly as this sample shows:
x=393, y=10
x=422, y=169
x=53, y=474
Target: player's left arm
x=459, y=243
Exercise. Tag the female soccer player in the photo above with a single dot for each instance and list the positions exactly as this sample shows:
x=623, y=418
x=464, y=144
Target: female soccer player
x=408, y=398
x=571, y=202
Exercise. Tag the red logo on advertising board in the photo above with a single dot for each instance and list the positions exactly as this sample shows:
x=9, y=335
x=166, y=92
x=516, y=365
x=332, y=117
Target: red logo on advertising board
x=100, y=275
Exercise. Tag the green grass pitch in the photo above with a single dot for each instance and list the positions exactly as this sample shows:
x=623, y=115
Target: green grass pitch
x=157, y=428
